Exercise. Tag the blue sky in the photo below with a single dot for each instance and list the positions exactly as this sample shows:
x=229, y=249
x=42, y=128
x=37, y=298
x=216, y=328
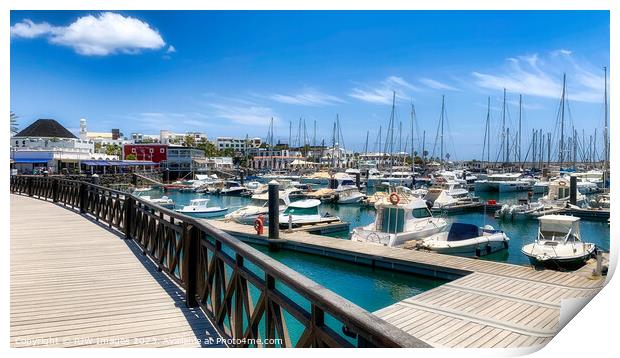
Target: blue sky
x=228, y=73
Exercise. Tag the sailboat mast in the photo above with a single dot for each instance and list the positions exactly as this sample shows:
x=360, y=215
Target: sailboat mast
x=562, y=121
x=606, y=162
x=504, y=126
x=392, y=132
x=366, y=145
x=412, y=151
x=443, y=107
x=520, y=113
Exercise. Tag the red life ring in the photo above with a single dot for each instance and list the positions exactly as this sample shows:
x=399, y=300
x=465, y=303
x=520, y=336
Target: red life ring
x=258, y=225
x=394, y=198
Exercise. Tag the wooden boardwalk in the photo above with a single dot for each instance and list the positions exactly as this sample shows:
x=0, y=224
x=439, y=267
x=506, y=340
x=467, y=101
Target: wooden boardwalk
x=490, y=304
x=75, y=283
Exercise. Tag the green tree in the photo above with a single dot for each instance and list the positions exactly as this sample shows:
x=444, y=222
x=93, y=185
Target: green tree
x=14, y=127
x=189, y=141
x=113, y=149
x=209, y=148
x=97, y=147
x=131, y=157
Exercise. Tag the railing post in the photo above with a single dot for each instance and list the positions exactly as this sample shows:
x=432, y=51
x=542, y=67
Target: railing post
x=30, y=186
x=83, y=198
x=191, y=245
x=55, y=190
x=129, y=208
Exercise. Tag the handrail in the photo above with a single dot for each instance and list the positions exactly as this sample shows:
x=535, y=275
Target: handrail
x=195, y=255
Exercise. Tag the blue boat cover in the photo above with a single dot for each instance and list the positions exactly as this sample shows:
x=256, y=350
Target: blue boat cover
x=460, y=231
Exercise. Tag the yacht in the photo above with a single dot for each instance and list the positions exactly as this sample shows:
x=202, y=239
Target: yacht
x=199, y=208
x=232, y=188
x=466, y=240
x=540, y=187
x=164, y=201
x=558, y=244
x=502, y=183
x=349, y=196
x=304, y=212
x=259, y=205
x=445, y=194
x=398, y=220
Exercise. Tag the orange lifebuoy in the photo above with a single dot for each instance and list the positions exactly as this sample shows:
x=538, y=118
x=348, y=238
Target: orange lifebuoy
x=258, y=225
x=394, y=198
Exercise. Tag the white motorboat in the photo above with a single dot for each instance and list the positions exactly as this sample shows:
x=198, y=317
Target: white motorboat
x=253, y=185
x=540, y=187
x=559, y=193
x=142, y=190
x=558, y=244
x=304, y=212
x=349, y=196
x=466, y=240
x=499, y=182
x=259, y=206
x=164, y=201
x=199, y=208
x=232, y=188
x=398, y=220
x=445, y=194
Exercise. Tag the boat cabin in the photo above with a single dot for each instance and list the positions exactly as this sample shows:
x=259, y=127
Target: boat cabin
x=555, y=229
x=393, y=218
x=303, y=207
x=198, y=202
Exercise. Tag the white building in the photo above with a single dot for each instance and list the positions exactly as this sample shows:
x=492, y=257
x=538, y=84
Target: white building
x=237, y=144
x=47, y=145
x=168, y=137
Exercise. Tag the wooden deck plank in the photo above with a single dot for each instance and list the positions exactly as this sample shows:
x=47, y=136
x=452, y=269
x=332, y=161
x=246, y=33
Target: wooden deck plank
x=79, y=283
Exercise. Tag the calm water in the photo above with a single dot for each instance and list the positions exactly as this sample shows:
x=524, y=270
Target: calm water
x=520, y=233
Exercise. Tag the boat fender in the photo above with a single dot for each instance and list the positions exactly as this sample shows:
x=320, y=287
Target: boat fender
x=478, y=252
x=259, y=225
x=505, y=244
x=394, y=198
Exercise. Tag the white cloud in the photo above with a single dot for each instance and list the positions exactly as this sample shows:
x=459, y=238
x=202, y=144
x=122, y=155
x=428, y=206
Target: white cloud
x=105, y=34
x=437, y=85
x=171, y=49
x=29, y=29
x=247, y=115
x=383, y=93
x=533, y=76
x=308, y=97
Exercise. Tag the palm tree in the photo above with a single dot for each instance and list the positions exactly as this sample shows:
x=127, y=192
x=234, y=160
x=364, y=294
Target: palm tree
x=14, y=128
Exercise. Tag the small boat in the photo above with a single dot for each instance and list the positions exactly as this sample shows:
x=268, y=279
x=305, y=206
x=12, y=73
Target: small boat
x=304, y=212
x=142, y=190
x=232, y=188
x=253, y=185
x=349, y=196
x=466, y=240
x=258, y=206
x=399, y=219
x=164, y=201
x=199, y=208
x=558, y=244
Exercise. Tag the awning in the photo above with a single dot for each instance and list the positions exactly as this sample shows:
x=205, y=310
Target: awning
x=96, y=162
x=31, y=160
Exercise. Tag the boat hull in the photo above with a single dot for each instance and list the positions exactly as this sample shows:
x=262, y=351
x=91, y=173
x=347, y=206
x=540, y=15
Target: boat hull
x=205, y=214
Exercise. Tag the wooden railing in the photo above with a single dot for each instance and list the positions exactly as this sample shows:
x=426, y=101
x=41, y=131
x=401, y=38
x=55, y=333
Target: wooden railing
x=252, y=299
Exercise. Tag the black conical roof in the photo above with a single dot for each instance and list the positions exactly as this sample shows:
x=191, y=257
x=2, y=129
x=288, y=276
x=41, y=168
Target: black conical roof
x=46, y=128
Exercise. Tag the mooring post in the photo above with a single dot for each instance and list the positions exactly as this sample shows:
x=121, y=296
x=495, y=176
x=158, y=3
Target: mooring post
x=274, y=210
x=573, y=190
x=599, y=263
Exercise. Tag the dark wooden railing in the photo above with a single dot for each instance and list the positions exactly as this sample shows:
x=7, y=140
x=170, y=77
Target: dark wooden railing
x=249, y=296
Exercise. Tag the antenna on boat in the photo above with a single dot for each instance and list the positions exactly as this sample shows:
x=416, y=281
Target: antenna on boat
x=504, y=127
x=520, y=114
x=606, y=161
x=443, y=108
x=487, y=134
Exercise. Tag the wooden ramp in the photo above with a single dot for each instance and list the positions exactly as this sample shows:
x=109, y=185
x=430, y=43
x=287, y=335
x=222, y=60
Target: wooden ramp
x=74, y=283
x=489, y=304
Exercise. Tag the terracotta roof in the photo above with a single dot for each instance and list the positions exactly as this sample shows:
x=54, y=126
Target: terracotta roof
x=46, y=128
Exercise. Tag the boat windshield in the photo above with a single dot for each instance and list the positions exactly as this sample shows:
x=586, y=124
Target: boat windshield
x=301, y=211
x=421, y=213
x=391, y=220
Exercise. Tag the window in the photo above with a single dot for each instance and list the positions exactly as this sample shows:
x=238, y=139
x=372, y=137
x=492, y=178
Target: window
x=420, y=213
x=151, y=150
x=162, y=150
x=133, y=150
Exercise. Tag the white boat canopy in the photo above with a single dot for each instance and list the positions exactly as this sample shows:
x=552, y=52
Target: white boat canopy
x=304, y=204
x=559, y=223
